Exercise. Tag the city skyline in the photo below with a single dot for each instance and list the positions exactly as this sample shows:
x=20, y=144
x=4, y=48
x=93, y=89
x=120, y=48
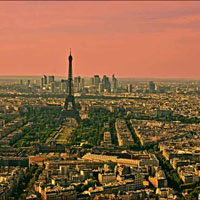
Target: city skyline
x=129, y=39
x=99, y=100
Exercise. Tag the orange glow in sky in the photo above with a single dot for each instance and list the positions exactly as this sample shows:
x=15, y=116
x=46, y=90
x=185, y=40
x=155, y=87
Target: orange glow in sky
x=129, y=39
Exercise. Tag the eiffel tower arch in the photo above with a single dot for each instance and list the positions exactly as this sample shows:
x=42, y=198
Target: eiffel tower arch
x=69, y=111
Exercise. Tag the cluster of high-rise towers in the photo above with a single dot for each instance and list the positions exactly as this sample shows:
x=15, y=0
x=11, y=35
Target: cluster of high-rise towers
x=96, y=84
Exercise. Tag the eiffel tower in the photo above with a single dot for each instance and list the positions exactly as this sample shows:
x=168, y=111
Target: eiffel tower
x=69, y=111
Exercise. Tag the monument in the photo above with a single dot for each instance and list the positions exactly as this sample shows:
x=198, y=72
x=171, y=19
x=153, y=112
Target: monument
x=69, y=110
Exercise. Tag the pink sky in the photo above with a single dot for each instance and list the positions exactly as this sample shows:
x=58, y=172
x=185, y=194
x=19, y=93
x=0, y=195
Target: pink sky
x=130, y=39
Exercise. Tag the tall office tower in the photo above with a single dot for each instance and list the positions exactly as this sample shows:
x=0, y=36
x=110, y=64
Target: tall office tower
x=92, y=81
x=130, y=88
x=45, y=79
x=64, y=85
x=29, y=83
x=21, y=82
x=101, y=87
x=50, y=79
x=52, y=87
x=77, y=82
x=96, y=80
x=152, y=86
x=42, y=82
x=106, y=83
x=113, y=84
x=69, y=111
x=82, y=84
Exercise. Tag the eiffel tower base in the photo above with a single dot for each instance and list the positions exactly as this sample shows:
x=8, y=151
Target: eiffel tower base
x=69, y=114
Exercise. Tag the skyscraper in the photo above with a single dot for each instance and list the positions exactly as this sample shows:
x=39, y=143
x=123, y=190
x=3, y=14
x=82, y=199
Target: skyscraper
x=101, y=87
x=77, y=83
x=113, y=84
x=50, y=79
x=96, y=80
x=92, y=80
x=45, y=79
x=29, y=83
x=151, y=86
x=82, y=84
x=52, y=87
x=130, y=88
x=21, y=82
x=106, y=83
x=64, y=85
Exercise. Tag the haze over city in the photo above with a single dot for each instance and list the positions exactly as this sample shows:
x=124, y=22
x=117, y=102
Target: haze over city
x=130, y=39
x=99, y=100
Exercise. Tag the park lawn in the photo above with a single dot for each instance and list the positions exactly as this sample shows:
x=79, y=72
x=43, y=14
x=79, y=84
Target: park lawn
x=65, y=136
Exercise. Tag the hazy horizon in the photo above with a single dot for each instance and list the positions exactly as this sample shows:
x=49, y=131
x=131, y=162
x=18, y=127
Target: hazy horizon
x=32, y=77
